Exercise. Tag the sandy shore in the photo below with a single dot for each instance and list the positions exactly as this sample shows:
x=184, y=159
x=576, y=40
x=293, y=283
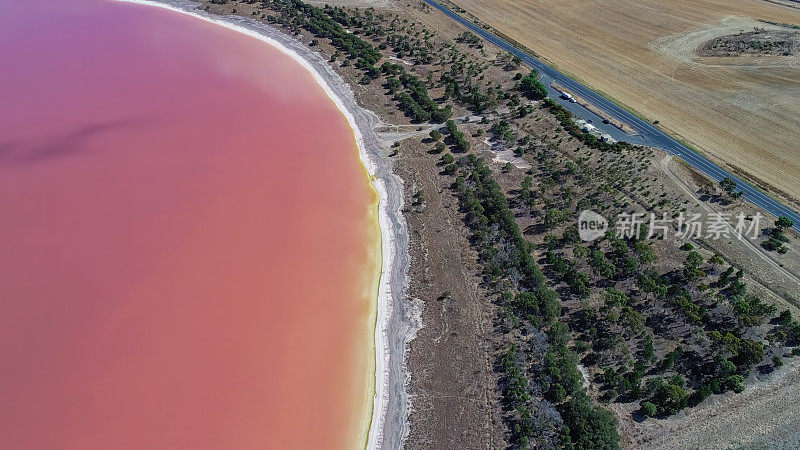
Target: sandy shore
x=395, y=323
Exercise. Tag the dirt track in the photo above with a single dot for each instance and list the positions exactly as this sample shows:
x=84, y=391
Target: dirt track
x=743, y=111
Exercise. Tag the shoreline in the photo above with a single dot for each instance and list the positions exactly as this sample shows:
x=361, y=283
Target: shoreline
x=395, y=324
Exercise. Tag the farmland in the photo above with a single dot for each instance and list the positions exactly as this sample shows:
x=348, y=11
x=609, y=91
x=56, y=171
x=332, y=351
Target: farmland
x=743, y=111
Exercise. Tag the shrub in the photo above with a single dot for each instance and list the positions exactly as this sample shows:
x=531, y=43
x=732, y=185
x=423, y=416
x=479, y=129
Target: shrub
x=670, y=398
x=460, y=142
x=614, y=297
x=750, y=352
x=648, y=409
x=735, y=383
x=531, y=87
x=589, y=427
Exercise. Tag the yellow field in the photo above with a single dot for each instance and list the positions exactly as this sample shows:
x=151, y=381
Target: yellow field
x=744, y=112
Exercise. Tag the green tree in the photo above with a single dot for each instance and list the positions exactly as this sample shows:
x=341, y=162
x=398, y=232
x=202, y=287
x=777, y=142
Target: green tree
x=649, y=409
x=590, y=427
x=750, y=352
x=777, y=236
x=645, y=252
x=614, y=298
x=728, y=185
x=691, y=267
x=735, y=383
x=670, y=398
x=531, y=86
x=784, y=223
x=541, y=306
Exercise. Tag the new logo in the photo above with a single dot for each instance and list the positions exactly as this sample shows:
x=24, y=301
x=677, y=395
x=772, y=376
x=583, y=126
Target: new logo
x=591, y=225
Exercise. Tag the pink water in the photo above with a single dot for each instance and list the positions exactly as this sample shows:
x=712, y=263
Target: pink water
x=187, y=238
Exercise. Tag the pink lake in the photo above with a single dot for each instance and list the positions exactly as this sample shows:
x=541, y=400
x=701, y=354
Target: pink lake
x=188, y=242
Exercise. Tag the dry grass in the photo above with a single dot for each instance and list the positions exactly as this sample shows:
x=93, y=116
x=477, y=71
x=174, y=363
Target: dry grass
x=743, y=111
x=763, y=416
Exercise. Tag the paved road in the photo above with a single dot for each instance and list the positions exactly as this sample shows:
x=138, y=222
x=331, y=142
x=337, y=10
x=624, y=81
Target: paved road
x=647, y=134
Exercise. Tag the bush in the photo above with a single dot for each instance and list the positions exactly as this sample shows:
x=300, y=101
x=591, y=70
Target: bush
x=531, y=87
x=541, y=304
x=614, y=297
x=457, y=136
x=669, y=398
x=750, y=353
x=735, y=383
x=589, y=427
x=648, y=409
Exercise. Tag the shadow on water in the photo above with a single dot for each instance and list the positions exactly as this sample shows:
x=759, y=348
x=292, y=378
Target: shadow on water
x=64, y=145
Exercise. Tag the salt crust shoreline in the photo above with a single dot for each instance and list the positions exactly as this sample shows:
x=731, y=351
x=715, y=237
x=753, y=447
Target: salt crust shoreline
x=396, y=324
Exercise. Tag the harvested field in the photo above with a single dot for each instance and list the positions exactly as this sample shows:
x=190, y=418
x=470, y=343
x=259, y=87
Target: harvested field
x=744, y=111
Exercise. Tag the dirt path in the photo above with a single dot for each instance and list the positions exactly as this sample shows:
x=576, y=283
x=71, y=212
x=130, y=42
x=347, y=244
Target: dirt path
x=452, y=384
